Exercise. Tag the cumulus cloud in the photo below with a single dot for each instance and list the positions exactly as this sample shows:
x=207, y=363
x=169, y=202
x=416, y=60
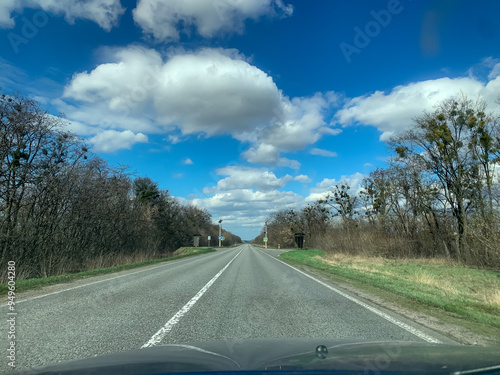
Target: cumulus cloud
x=112, y=140
x=105, y=13
x=260, y=179
x=265, y=154
x=210, y=92
x=290, y=163
x=300, y=123
x=262, y=154
x=394, y=111
x=245, y=196
x=321, y=190
x=188, y=162
x=318, y=151
x=166, y=20
x=247, y=207
x=302, y=178
x=247, y=201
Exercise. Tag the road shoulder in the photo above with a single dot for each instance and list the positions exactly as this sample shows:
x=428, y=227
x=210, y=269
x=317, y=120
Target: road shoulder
x=445, y=323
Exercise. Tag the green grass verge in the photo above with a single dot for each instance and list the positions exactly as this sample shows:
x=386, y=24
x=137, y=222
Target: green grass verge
x=30, y=284
x=468, y=293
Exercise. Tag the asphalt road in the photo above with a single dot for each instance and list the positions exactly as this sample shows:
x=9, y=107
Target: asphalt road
x=236, y=293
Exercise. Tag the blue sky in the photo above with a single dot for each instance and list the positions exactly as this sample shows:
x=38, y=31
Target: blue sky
x=247, y=107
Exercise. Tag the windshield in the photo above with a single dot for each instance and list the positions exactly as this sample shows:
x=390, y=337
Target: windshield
x=189, y=171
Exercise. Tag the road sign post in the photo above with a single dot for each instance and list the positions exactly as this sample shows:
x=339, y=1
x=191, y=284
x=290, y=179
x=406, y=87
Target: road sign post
x=265, y=238
x=220, y=233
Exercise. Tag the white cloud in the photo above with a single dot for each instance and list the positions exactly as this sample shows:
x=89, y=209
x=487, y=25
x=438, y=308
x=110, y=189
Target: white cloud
x=247, y=196
x=394, y=111
x=302, y=178
x=318, y=151
x=188, y=162
x=103, y=12
x=210, y=92
x=166, y=20
x=247, y=208
x=489, y=63
x=290, y=163
x=6, y=7
x=262, y=154
x=265, y=154
x=174, y=139
x=300, y=122
x=112, y=140
x=495, y=71
x=322, y=188
x=260, y=179
x=75, y=126
x=81, y=129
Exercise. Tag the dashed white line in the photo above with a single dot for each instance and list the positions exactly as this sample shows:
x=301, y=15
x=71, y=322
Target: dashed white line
x=374, y=310
x=158, y=336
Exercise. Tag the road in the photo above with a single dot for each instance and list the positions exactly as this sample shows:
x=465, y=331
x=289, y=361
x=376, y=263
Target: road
x=237, y=293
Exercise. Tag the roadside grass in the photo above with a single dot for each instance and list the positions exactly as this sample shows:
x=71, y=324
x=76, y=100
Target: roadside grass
x=30, y=284
x=470, y=294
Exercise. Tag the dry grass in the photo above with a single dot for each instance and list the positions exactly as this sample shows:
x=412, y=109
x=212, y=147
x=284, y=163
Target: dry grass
x=432, y=272
x=115, y=260
x=493, y=299
x=429, y=279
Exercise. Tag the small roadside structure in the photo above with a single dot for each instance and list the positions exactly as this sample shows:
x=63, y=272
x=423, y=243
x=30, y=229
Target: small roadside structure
x=196, y=239
x=299, y=240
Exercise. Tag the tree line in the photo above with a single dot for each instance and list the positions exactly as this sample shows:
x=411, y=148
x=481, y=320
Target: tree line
x=438, y=196
x=63, y=209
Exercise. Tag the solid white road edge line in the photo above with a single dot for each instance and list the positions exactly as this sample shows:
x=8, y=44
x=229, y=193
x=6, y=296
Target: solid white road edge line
x=158, y=336
x=382, y=314
x=101, y=281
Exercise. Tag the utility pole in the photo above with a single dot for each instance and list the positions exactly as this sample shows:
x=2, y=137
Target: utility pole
x=220, y=233
x=265, y=243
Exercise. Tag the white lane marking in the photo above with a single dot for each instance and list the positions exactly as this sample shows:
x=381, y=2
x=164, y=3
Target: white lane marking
x=382, y=314
x=158, y=336
x=168, y=263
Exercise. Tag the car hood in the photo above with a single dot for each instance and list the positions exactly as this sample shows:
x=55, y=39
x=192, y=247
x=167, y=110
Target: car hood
x=300, y=355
